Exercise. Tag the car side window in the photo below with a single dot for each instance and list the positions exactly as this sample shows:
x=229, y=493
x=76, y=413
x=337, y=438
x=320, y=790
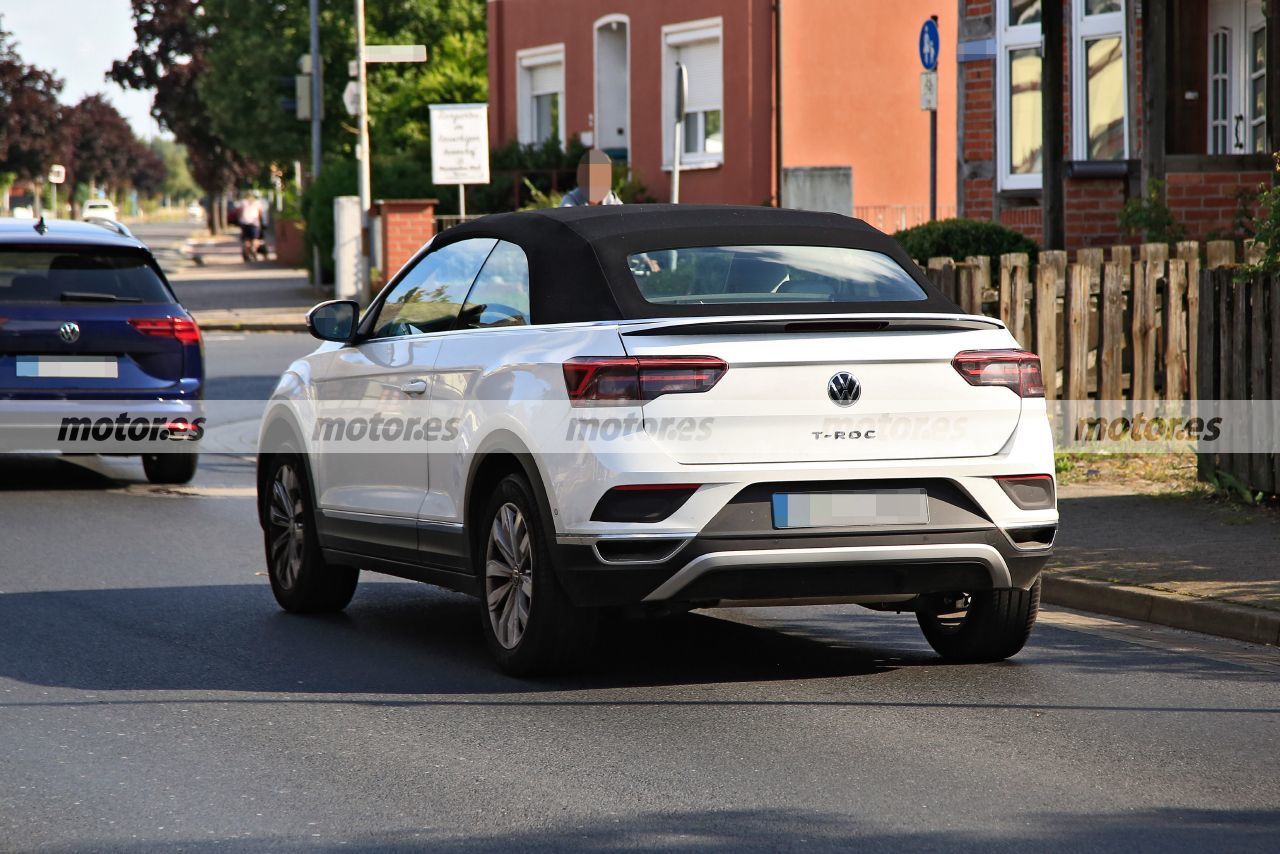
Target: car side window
x=500, y=295
x=430, y=295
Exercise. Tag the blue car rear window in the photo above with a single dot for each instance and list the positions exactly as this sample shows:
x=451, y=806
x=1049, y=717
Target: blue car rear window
x=74, y=274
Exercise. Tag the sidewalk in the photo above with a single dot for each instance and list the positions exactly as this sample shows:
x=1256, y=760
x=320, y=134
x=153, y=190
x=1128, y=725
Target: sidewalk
x=225, y=293
x=1179, y=560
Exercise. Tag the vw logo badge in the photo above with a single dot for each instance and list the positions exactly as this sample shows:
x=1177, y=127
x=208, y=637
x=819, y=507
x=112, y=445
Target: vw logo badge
x=69, y=332
x=844, y=389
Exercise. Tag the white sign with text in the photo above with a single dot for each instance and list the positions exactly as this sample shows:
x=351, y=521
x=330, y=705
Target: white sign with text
x=460, y=143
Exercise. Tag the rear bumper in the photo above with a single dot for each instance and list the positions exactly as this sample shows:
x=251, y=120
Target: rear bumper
x=708, y=570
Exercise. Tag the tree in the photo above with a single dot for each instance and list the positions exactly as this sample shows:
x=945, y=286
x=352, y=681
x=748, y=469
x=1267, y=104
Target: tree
x=178, y=185
x=147, y=170
x=253, y=49
x=100, y=143
x=170, y=57
x=31, y=136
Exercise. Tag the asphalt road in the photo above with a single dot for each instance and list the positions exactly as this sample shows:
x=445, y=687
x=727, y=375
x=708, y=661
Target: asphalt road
x=153, y=697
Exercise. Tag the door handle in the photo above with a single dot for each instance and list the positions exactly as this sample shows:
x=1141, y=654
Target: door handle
x=415, y=386
x=1239, y=131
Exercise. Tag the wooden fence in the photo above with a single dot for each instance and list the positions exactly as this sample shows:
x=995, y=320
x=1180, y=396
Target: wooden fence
x=1239, y=360
x=1107, y=326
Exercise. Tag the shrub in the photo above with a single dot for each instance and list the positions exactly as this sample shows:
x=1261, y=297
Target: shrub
x=1266, y=226
x=397, y=177
x=960, y=238
x=1149, y=217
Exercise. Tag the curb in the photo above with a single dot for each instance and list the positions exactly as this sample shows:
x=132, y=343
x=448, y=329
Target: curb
x=249, y=326
x=1207, y=616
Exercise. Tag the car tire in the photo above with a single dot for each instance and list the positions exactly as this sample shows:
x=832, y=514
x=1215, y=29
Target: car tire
x=170, y=468
x=995, y=626
x=519, y=578
x=302, y=581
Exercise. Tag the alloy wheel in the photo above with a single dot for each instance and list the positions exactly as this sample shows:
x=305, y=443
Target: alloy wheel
x=508, y=575
x=287, y=529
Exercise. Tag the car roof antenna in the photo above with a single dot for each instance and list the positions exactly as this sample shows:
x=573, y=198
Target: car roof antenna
x=40, y=226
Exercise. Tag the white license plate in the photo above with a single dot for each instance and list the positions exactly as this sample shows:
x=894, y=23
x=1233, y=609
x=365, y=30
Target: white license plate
x=95, y=367
x=850, y=509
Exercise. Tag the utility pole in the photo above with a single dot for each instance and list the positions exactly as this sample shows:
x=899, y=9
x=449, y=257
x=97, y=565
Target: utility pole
x=362, y=148
x=317, y=82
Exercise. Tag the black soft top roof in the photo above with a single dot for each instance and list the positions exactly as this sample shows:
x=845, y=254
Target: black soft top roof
x=578, y=256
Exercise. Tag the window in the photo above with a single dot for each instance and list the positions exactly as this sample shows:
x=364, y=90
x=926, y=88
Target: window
x=429, y=296
x=716, y=275
x=1099, y=93
x=698, y=46
x=1219, y=91
x=67, y=275
x=1019, y=149
x=500, y=296
x=1258, y=90
x=540, y=94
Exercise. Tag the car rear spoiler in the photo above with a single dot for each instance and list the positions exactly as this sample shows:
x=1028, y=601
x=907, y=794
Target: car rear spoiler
x=812, y=324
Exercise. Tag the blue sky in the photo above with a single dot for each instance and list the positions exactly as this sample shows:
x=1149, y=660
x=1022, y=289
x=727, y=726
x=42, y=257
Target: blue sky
x=79, y=39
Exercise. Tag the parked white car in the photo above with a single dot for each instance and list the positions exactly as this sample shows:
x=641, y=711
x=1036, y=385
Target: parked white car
x=99, y=208
x=656, y=408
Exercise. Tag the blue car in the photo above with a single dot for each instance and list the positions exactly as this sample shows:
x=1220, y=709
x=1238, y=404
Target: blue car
x=86, y=315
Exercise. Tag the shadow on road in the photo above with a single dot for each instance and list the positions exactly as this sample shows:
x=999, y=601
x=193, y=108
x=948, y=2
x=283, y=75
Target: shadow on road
x=49, y=473
x=402, y=640
x=795, y=830
x=398, y=639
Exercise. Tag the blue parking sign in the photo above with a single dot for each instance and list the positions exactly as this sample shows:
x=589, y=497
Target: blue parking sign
x=930, y=44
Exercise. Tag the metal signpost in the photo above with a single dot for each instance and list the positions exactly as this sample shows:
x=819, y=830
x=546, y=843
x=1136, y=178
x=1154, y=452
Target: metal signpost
x=317, y=81
x=364, y=56
x=460, y=147
x=930, y=45
x=57, y=174
x=677, y=134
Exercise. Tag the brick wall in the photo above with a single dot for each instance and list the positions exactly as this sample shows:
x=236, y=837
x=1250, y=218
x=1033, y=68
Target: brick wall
x=1092, y=209
x=1206, y=202
x=405, y=225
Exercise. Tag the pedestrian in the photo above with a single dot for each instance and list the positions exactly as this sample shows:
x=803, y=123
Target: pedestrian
x=250, y=220
x=595, y=182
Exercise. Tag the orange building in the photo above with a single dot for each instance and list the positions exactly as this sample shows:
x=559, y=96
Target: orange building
x=813, y=101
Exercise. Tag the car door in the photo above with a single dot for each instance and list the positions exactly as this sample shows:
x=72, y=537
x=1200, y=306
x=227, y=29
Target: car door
x=484, y=376
x=372, y=475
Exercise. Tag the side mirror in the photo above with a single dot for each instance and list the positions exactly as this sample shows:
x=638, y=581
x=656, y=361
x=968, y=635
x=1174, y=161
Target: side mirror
x=334, y=320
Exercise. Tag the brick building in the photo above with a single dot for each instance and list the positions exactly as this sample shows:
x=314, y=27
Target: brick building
x=777, y=91
x=1174, y=90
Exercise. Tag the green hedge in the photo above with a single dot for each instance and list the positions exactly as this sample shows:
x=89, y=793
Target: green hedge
x=960, y=238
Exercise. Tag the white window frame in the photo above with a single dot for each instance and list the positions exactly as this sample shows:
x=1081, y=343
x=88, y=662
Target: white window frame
x=1253, y=122
x=1009, y=39
x=600, y=24
x=675, y=36
x=527, y=60
x=1087, y=28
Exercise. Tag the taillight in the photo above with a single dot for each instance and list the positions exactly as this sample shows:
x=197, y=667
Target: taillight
x=604, y=379
x=182, y=328
x=1014, y=369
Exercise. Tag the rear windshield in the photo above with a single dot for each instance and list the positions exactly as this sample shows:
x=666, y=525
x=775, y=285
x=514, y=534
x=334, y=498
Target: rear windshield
x=709, y=275
x=78, y=275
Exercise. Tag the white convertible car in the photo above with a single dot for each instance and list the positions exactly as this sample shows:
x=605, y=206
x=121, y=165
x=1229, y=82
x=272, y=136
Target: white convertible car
x=649, y=408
